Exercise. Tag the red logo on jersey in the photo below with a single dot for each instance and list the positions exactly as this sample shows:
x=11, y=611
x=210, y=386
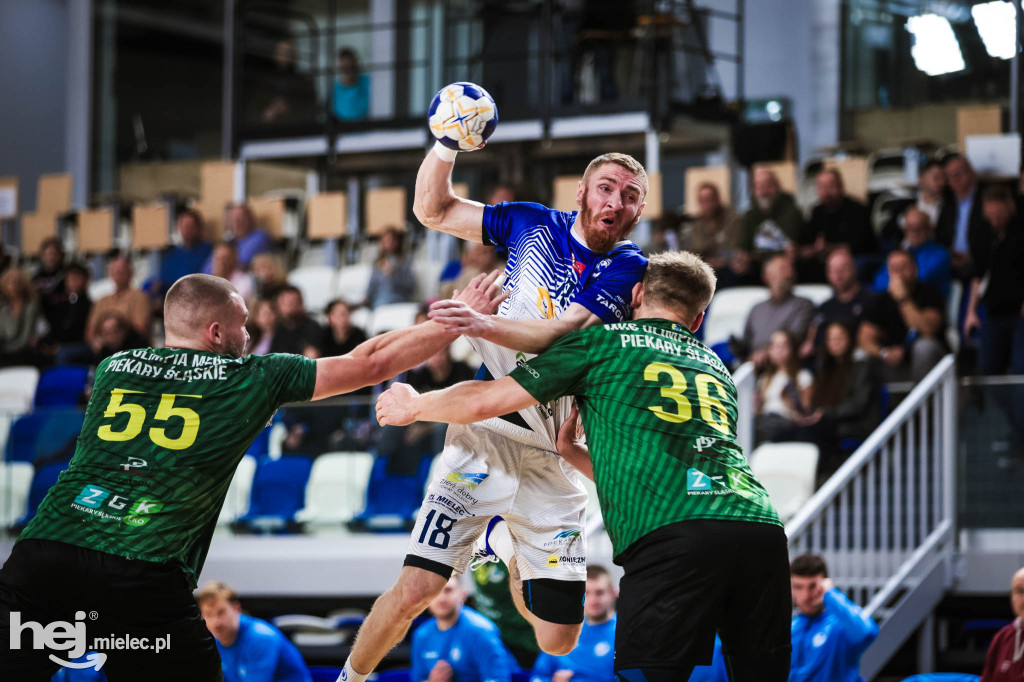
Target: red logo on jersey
x=577, y=265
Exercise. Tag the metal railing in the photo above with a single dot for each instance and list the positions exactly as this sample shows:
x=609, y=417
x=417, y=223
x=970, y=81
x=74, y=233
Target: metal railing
x=885, y=521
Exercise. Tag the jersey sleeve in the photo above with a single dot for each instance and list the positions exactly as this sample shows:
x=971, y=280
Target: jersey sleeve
x=494, y=662
x=610, y=292
x=560, y=370
x=261, y=654
x=545, y=666
x=291, y=378
x=505, y=222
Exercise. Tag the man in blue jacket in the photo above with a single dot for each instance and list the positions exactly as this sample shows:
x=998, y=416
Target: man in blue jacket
x=251, y=650
x=830, y=632
x=458, y=644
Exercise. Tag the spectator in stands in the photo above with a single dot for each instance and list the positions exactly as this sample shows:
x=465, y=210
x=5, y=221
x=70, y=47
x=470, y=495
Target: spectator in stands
x=131, y=303
x=225, y=265
x=492, y=598
x=593, y=658
x=782, y=310
x=70, y=314
x=458, y=643
x=250, y=649
x=664, y=235
x=342, y=336
x=295, y=328
x=113, y=335
x=905, y=324
x=1002, y=329
x=249, y=239
x=392, y=279
x=773, y=222
x=931, y=198
x=268, y=275
x=291, y=93
x=849, y=299
x=830, y=632
x=48, y=279
x=714, y=233
x=19, y=319
x=1004, y=661
x=187, y=258
x=262, y=322
x=476, y=258
x=844, y=400
x=836, y=219
x=351, y=97
x=933, y=261
x=966, y=234
x=783, y=391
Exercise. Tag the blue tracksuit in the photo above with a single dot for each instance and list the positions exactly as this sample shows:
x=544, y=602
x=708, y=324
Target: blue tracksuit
x=261, y=654
x=828, y=647
x=472, y=647
x=593, y=659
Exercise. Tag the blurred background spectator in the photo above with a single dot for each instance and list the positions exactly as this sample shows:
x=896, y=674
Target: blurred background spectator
x=933, y=262
x=965, y=233
x=848, y=302
x=341, y=336
x=782, y=310
x=783, y=392
x=836, y=220
x=295, y=329
x=291, y=95
x=185, y=258
x=48, y=279
x=392, y=279
x=131, y=303
x=350, y=100
x=262, y=323
x=225, y=264
x=713, y=233
x=70, y=314
x=248, y=237
x=773, y=222
x=19, y=319
x=268, y=275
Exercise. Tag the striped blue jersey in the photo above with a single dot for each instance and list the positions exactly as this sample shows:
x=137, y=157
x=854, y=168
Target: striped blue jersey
x=549, y=268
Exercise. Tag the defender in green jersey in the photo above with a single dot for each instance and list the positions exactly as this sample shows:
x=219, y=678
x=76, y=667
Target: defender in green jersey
x=702, y=547
x=125, y=530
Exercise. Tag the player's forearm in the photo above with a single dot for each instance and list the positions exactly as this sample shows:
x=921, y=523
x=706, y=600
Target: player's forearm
x=529, y=336
x=471, y=401
x=578, y=455
x=401, y=349
x=433, y=191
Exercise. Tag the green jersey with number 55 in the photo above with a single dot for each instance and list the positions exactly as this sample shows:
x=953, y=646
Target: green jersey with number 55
x=164, y=431
x=659, y=409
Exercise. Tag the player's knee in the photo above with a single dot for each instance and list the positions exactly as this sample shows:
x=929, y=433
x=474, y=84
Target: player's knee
x=555, y=639
x=415, y=592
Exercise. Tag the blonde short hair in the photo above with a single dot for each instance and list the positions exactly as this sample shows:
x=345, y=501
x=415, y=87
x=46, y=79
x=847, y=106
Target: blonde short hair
x=624, y=160
x=679, y=281
x=214, y=590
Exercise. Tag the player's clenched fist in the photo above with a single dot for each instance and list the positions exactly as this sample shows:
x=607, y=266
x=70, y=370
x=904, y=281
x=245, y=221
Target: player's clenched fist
x=396, y=406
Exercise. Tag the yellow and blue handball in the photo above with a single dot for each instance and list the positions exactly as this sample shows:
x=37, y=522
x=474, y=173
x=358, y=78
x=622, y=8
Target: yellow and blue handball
x=462, y=116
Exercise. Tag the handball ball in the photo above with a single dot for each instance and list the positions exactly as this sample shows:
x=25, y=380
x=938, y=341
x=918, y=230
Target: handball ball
x=462, y=116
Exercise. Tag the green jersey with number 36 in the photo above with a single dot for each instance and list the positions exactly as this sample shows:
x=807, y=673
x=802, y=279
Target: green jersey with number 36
x=659, y=410
x=164, y=431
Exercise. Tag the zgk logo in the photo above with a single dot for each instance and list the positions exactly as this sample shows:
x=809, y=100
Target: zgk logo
x=93, y=497
x=59, y=636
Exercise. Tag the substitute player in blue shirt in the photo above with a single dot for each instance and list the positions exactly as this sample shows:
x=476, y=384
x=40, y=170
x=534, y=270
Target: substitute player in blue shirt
x=830, y=632
x=593, y=659
x=251, y=650
x=458, y=644
x=503, y=478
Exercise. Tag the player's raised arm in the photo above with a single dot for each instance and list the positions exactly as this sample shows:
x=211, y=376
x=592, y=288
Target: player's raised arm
x=436, y=205
x=382, y=357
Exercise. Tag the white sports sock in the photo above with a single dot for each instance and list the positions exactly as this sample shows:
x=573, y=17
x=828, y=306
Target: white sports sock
x=500, y=540
x=350, y=675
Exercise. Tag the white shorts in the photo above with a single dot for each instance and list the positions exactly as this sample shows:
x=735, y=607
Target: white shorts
x=482, y=474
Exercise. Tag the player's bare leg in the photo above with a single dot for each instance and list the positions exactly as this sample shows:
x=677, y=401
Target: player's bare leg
x=557, y=639
x=389, y=620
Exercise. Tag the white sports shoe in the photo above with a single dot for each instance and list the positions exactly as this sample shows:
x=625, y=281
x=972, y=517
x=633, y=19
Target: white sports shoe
x=483, y=553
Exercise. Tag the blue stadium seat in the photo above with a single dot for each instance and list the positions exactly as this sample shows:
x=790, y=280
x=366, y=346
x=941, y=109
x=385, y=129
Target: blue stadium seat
x=392, y=500
x=42, y=481
x=62, y=386
x=723, y=352
x=260, y=446
x=321, y=673
x=42, y=435
x=278, y=491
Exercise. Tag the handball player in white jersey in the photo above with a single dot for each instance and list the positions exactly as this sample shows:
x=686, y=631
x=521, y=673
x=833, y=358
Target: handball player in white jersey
x=503, y=478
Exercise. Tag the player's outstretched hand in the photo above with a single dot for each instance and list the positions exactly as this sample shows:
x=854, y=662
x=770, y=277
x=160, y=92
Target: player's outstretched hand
x=395, y=405
x=483, y=293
